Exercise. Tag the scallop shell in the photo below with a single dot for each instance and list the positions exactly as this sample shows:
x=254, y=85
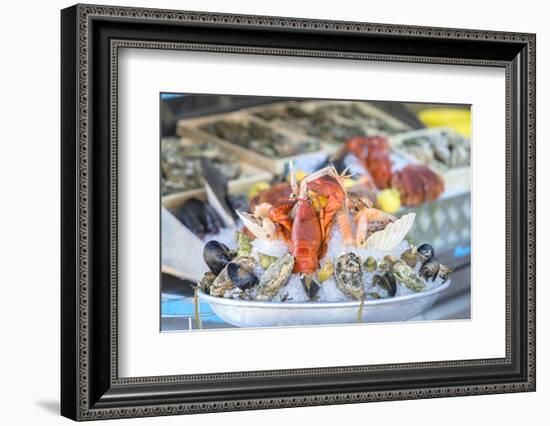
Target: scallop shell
x=392, y=235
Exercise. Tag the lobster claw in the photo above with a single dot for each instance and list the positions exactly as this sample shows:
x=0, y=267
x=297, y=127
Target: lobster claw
x=311, y=286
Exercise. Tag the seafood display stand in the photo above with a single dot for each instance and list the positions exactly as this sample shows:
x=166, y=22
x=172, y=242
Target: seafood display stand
x=444, y=222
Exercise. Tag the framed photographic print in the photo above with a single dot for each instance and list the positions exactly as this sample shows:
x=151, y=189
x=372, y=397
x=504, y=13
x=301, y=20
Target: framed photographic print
x=263, y=212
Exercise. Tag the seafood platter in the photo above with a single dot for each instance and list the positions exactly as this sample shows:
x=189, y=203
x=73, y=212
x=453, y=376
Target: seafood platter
x=317, y=254
x=315, y=212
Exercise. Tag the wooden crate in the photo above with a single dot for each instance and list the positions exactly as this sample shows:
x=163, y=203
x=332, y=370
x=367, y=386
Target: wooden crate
x=192, y=128
x=251, y=175
x=309, y=107
x=366, y=107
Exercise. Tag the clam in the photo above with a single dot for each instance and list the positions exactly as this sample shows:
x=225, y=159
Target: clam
x=429, y=269
x=275, y=277
x=216, y=256
x=348, y=274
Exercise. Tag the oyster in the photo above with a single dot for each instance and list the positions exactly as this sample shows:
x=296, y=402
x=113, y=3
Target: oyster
x=348, y=274
x=404, y=273
x=260, y=138
x=275, y=277
x=206, y=281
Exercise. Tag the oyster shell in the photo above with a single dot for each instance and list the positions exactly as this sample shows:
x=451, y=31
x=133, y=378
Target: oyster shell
x=275, y=277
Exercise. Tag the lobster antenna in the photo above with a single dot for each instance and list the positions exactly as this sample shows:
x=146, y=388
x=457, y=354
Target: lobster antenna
x=292, y=174
x=345, y=171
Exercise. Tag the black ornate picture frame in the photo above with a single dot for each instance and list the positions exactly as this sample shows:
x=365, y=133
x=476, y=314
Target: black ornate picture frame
x=91, y=36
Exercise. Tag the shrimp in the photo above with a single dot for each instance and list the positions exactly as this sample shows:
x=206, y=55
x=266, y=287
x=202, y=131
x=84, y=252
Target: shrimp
x=361, y=227
x=344, y=225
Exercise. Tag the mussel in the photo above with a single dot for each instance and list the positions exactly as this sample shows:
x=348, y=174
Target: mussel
x=212, y=220
x=190, y=214
x=200, y=218
x=216, y=256
x=241, y=277
x=387, y=282
x=224, y=282
x=426, y=250
x=429, y=269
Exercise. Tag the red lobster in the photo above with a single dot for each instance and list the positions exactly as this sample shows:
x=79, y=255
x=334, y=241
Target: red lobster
x=306, y=231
